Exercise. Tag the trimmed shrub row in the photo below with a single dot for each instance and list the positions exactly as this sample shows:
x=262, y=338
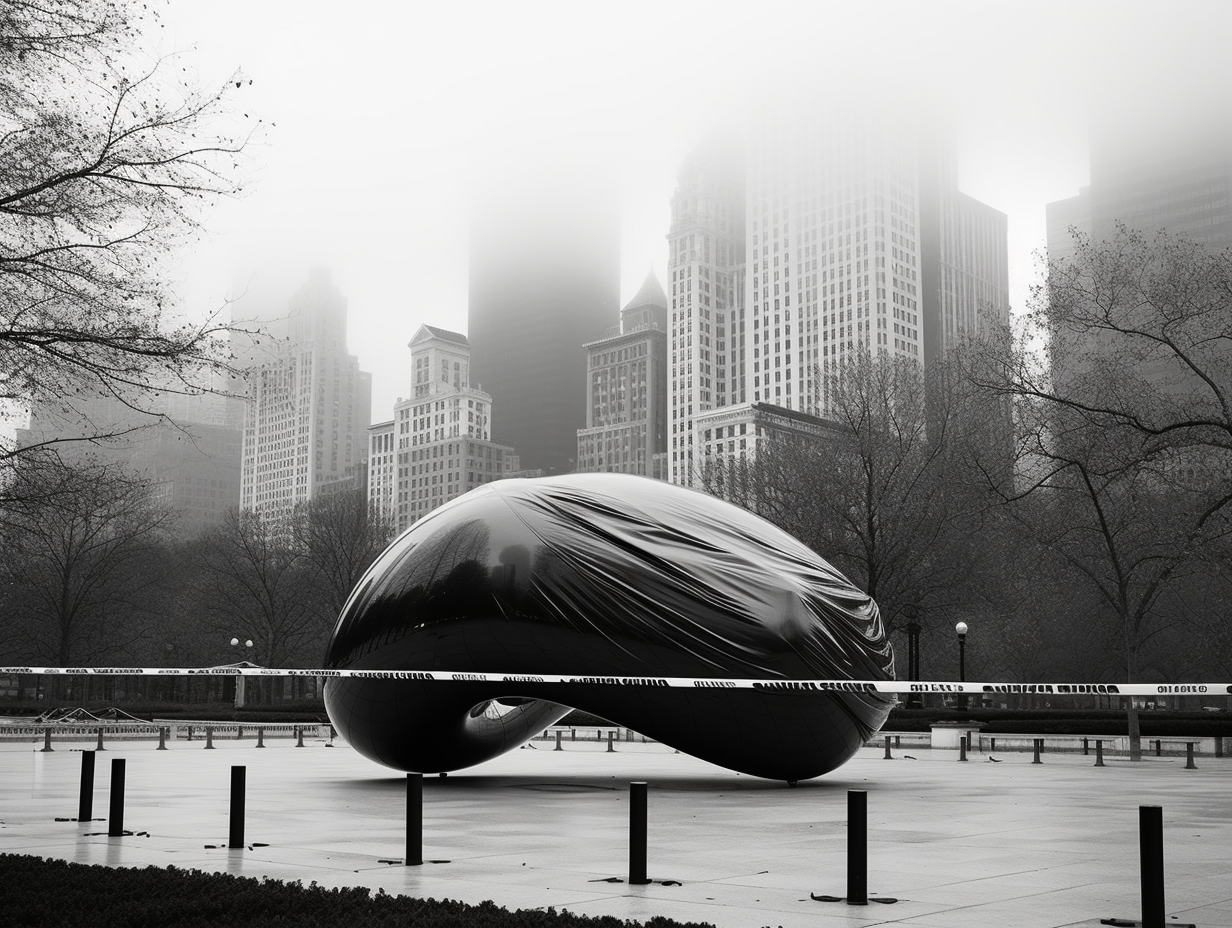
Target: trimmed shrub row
x=37, y=893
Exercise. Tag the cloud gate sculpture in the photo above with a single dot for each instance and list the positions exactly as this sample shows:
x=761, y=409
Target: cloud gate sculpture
x=602, y=577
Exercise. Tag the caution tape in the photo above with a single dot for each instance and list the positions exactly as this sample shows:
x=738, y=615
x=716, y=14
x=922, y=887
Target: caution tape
x=900, y=687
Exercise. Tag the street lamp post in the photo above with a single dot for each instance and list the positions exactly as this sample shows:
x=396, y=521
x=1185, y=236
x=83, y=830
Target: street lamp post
x=913, y=655
x=239, y=678
x=961, y=628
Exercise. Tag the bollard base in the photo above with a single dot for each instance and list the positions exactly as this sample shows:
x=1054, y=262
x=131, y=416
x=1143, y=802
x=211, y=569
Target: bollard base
x=884, y=900
x=1131, y=923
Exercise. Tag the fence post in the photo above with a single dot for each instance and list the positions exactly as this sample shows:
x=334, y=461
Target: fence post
x=115, y=817
x=414, y=819
x=637, y=833
x=238, y=777
x=857, y=847
x=85, y=800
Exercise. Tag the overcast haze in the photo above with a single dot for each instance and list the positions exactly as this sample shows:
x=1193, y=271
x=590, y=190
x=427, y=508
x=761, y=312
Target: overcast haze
x=384, y=116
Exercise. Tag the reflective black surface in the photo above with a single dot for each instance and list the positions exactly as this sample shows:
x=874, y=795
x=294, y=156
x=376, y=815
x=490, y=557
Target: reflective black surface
x=605, y=575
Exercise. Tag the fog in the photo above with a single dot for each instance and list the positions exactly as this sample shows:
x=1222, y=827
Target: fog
x=386, y=119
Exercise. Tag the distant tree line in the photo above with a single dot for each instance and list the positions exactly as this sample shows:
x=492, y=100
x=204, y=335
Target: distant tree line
x=94, y=574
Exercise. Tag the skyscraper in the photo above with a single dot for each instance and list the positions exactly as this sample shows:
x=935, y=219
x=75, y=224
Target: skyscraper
x=706, y=266
x=842, y=233
x=626, y=391
x=307, y=407
x=1151, y=179
x=544, y=281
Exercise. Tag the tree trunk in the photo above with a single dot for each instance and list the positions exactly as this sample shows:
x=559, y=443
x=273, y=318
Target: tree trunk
x=1131, y=711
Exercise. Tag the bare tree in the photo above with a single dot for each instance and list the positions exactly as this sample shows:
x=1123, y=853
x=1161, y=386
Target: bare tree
x=105, y=163
x=253, y=578
x=879, y=495
x=81, y=545
x=340, y=538
x=1124, y=425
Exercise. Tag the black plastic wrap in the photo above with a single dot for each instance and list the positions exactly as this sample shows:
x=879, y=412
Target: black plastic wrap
x=606, y=575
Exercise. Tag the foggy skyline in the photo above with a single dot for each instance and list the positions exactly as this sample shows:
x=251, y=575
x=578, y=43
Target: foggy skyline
x=384, y=123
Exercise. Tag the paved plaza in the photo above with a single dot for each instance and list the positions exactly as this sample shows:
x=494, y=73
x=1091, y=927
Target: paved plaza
x=982, y=843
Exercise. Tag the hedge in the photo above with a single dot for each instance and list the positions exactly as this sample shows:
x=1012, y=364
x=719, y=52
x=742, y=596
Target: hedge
x=39, y=893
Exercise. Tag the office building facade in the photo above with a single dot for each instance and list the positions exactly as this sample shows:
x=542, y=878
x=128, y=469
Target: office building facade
x=626, y=391
x=307, y=407
x=1178, y=182
x=839, y=234
x=439, y=443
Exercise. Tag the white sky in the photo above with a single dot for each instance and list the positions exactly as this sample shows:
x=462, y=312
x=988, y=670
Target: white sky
x=384, y=113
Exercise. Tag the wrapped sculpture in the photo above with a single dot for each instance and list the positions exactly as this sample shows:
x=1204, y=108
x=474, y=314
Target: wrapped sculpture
x=606, y=576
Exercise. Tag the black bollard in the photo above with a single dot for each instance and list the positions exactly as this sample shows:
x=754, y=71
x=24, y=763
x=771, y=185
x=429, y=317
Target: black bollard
x=637, y=833
x=1159, y=748
x=47, y=739
x=260, y=737
x=99, y=746
x=610, y=736
x=1039, y=743
x=888, y=755
x=1086, y=748
x=1189, y=761
x=115, y=817
x=992, y=746
x=299, y=737
x=1151, y=857
x=1099, y=753
x=238, y=776
x=857, y=847
x=1218, y=746
x=573, y=734
x=962, y=749
x=414, y=819
x=558, y=747
x=85, y=801
x=209, y=738
x=162, y=738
